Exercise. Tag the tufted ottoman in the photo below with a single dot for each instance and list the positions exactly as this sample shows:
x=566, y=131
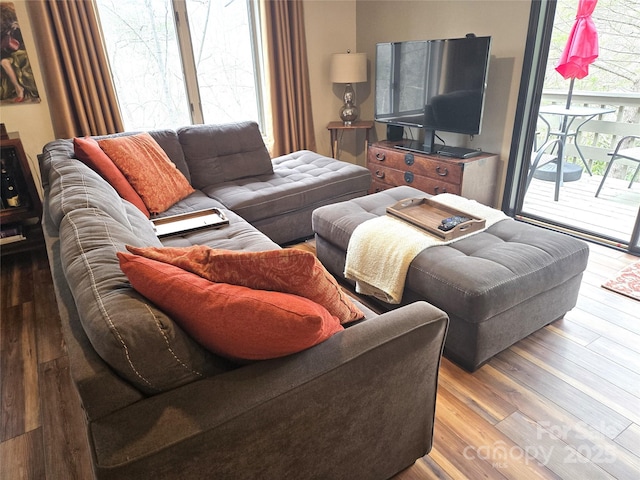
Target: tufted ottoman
x=498, y=286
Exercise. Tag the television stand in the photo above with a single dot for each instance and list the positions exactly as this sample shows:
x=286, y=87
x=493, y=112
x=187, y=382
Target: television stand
x=395, y=163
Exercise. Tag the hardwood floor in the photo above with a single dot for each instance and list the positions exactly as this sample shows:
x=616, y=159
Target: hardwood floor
x=562, y=403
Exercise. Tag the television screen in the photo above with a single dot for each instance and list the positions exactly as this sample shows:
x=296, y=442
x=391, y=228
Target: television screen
x=432, y=84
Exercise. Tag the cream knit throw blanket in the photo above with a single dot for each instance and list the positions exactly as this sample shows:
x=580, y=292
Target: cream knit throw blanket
x=381, y=249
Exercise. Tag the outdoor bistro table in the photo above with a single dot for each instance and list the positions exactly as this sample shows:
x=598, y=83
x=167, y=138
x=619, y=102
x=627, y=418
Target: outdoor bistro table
x=569, y=117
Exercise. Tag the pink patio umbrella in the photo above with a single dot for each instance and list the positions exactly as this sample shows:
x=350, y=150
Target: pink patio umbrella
x=581, y=49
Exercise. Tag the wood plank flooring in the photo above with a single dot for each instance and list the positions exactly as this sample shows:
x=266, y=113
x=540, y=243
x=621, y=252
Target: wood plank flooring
x=563, y=403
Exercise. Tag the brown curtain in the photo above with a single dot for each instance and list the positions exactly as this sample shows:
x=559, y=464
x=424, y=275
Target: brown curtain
x=78, y=82
x=288, y=76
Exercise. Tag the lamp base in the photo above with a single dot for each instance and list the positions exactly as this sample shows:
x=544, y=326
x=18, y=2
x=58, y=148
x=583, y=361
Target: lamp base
x=349, y=112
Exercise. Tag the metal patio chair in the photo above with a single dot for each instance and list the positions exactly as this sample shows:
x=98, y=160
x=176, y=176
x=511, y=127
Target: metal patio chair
x=631, y=152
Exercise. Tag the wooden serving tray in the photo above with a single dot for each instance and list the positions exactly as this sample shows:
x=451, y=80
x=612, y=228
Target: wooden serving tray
x=427, y=214
x=187, y=222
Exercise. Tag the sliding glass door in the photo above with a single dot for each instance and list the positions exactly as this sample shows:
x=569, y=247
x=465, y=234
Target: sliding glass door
x=574, y=194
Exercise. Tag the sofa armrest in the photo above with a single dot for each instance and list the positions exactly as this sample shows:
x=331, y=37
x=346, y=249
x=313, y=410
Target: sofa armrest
x=360, y=405
x=92, y=378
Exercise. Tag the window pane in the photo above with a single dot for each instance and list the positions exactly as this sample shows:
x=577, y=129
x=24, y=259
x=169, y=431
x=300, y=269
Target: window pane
x=223, y=54
x=140, y=38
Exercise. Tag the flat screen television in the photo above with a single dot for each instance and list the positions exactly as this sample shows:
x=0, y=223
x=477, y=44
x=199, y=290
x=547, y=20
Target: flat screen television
x=434, y=85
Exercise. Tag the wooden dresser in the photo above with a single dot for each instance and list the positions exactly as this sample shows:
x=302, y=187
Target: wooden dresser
x=474, y=178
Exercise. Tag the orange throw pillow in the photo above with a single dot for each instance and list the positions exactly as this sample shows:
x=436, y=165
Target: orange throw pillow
x=89, y=152
x=232, y=321
x=148, y=169
x=288, y=270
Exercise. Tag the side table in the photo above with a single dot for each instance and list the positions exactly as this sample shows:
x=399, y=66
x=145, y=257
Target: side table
x=335, y=127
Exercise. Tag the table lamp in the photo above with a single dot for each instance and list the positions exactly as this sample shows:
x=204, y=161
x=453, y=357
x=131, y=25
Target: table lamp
x=349, y=68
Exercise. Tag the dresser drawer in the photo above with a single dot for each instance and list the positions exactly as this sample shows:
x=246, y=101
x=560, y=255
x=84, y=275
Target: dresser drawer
x=448, y=171
x=474, y=178
x=392, y=177
x=379, y=186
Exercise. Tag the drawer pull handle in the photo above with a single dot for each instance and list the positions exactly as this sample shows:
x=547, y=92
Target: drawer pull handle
x=380, y=156
x=408, y=177
x=444, y=173
x=379, y=174
x=408, y=159
x=436, y=190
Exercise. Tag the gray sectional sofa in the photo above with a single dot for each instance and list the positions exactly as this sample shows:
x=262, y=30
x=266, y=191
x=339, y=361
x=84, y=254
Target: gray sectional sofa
x=157, y=404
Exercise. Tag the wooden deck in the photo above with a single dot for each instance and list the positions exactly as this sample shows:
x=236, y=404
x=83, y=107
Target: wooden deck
x=611, y=215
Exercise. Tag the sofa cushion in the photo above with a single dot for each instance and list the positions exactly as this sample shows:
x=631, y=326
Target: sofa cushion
x=169, y=142
x=134, y=337
x=300, y=180
x=148, y=169
x=221, y=153
x=89, y=152
x=238, y=235
x=286, y=270
x=233, y=321
x=73, y=185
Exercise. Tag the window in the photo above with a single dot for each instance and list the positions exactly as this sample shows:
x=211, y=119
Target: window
x=183, y=61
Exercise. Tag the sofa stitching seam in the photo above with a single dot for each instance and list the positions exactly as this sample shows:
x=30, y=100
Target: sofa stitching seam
x=168, y=345
x=105, y=314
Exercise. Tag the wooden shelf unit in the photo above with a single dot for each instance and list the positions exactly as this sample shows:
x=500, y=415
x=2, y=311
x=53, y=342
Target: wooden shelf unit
x=29, y=212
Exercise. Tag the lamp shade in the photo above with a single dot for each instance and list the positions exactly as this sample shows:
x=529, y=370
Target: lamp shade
x=349, y=67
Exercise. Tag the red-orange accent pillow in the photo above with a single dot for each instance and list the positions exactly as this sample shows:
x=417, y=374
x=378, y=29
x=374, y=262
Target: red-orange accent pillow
x=89, y=152
x=148, y=169
x=287, y=270
x=232, y=321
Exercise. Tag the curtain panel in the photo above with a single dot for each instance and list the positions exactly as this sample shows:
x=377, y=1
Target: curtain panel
x=287, y=76
x=78, y=81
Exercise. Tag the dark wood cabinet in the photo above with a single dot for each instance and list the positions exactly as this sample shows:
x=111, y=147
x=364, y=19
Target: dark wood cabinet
x=474, y=178
x=21, y=207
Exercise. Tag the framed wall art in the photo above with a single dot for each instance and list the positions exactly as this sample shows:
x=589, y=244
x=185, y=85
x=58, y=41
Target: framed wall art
x=17, y=84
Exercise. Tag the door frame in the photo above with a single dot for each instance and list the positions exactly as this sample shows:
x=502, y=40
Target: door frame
x=531, y=84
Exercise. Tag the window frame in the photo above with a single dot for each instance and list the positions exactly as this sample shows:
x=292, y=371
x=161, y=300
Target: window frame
x=186, y=58
x=190, y=71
